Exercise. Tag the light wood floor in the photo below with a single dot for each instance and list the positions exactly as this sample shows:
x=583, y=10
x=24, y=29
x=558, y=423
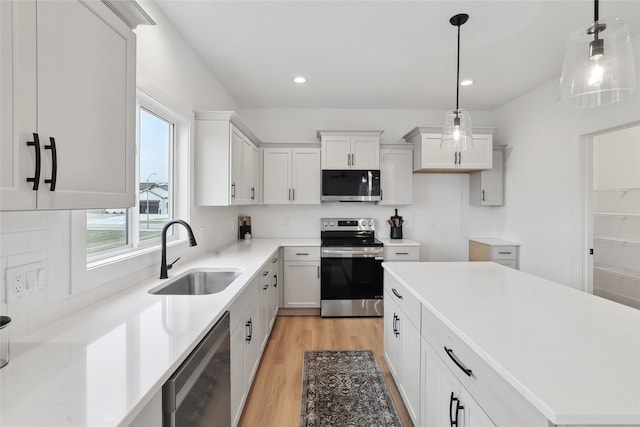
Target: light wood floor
x=274, y=399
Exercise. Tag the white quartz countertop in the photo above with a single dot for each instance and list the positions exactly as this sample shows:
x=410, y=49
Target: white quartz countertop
x=493, y=241
x=100, y=366
x=399, y=242
x=574, y=356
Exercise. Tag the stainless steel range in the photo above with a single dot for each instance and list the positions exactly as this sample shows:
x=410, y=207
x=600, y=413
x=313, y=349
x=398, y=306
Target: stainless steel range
x=350, y=268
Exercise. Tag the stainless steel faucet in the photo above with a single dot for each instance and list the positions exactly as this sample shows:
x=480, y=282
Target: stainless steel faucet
x=192, y=242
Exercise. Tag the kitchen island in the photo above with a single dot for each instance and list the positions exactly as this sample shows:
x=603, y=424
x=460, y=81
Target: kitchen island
x=502, y=347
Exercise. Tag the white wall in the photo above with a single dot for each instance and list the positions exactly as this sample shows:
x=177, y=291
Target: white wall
x=543, y=176
x=169, y=70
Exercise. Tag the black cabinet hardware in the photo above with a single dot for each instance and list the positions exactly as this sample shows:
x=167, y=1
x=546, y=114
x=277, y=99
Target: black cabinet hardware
x=453, y=357
x=483, y=195
x=453, y=410
x=396, y=293
x=275, y=278
x=36, y=176
x=249, y=325
x=54, y=164
x=253, y=193
x=302, y=253
x=504, y=252
x=402, y=253
x=233, y=190
x=396, y=321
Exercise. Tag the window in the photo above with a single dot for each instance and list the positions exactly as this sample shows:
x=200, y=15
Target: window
x=111, y=232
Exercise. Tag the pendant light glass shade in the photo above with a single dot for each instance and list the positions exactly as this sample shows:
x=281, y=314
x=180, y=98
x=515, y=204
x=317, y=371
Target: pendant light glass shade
x=457, y=134
x=598, y=67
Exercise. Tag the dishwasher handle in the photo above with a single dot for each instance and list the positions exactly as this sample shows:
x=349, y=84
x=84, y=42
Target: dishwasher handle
x=183, y=379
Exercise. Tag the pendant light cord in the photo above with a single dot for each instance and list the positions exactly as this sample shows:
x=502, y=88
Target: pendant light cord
x=458, y=72
x=596, y=11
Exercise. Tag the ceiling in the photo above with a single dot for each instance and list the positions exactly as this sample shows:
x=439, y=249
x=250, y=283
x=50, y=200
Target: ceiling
x=383, y=54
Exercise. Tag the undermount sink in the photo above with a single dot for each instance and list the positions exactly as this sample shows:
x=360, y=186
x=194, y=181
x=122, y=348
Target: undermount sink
x=198, y=282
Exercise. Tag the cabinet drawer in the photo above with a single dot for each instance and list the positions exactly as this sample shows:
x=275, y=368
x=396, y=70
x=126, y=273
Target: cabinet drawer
x=503, y=252
x=502, y=403
x=302, y=253
x=405, y=301
x=402, y=253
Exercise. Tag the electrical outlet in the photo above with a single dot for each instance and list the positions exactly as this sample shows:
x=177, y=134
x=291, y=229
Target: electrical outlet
x=24, y=280
x=16, y=283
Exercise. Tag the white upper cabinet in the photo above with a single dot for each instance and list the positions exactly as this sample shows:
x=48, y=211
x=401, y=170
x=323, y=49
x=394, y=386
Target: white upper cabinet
x=486, y=188
x=350, y=150
x=396, y=176
x=429, y=157
x=226, y=161
x=68, y=106
x=291, y=176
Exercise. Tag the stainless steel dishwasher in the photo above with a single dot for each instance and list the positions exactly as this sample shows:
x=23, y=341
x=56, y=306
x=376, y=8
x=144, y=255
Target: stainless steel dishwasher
x=198, y=394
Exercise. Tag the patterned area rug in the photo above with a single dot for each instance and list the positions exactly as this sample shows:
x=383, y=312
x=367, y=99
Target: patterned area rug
x=345, y=389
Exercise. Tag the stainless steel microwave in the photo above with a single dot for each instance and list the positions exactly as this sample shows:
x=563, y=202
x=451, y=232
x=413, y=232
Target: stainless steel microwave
x=350, y=185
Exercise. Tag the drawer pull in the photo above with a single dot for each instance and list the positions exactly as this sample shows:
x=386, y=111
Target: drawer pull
x=504, y=252
x=265, y=273
x=302, y=253
x=396, y=293
x=402, y=253
x=453, y=357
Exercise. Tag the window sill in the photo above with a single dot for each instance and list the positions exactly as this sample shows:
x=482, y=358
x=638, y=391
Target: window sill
x=131, y=254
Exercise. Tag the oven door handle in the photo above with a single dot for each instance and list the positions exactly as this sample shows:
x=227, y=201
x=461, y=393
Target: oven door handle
x=351, y=253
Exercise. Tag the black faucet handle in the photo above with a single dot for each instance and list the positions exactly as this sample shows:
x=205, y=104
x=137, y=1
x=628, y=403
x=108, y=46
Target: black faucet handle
x=171, y=265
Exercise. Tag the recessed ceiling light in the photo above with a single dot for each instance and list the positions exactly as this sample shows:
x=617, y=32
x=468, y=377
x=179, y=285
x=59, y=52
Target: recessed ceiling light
x=466, y=82
x=299, y=79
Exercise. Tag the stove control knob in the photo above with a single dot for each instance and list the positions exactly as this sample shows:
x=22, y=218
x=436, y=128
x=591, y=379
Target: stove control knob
x=325, y=223
x=332, y=223
x=371, y=222
x=363, y=222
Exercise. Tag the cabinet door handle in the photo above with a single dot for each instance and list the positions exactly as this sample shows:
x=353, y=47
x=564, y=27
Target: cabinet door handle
x=275, y=278
x=249, y=325
x=265, y=287
x=293, y=192
x=453, y=412
x=353, y=159
x=289, y=194
x=396, y=293
x=233, y=190
x=459, y=158
x=264, y=273
x=459, y=364
x=253, y=193
x=348, y=159
x=318, y=272
x=36, y=175
x=483, y=195
x=54, y=164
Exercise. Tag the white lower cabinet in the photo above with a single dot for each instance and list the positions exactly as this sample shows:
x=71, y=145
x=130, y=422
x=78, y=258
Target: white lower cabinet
x=446, y=401
x=402, y=343
x=302, y=277
x=244, y=353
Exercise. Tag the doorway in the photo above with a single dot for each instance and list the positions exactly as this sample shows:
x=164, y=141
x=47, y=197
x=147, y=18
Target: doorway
x=612, y=215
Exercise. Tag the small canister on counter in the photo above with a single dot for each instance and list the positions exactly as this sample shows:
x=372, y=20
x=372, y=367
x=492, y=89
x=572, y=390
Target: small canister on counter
x=4, y=340
x=396, y=226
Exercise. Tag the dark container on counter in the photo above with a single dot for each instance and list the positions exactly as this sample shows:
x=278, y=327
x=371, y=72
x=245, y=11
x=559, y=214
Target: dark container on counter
x=4, y=340
x=396, y=226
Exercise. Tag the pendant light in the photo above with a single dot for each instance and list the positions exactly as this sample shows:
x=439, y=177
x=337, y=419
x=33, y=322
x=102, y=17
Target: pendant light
x=598, y=66
x=456, y=132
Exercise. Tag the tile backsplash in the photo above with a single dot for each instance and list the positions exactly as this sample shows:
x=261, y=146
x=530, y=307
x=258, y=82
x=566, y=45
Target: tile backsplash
x=31, y=237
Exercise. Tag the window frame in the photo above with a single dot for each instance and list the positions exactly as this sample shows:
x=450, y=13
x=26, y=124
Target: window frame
x=89, y=270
